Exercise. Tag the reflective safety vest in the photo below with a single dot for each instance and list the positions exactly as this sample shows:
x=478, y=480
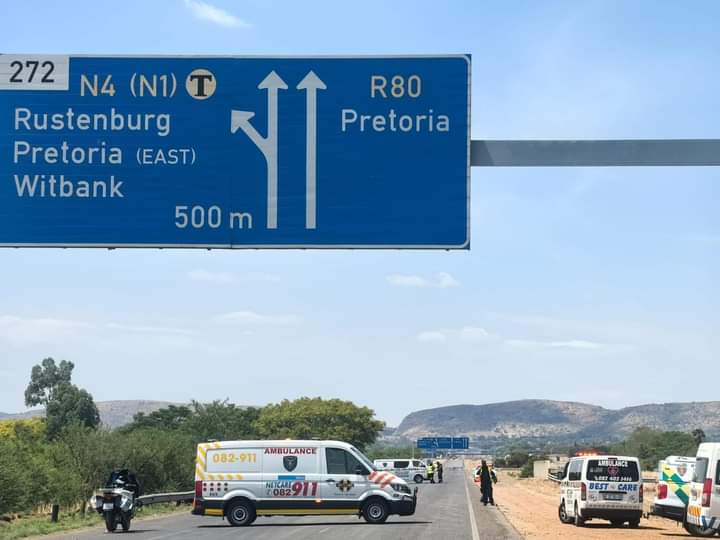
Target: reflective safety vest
x=429, y=469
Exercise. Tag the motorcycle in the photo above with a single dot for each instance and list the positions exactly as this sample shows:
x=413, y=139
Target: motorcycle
x=117, y=501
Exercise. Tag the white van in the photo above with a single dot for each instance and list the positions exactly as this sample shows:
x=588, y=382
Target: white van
x=407, y=469
x=241, y=480
x=602, y=487
x=673, y=487
x=704, y=506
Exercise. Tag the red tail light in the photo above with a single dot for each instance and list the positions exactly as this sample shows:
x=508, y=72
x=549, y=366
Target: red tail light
x=662, y=491
x=641, y=493
x=707, y=491
x=198, y=489
x=583, y=491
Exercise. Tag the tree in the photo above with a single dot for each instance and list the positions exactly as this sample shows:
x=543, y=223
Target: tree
x=698, y=435
x=44, y=380
x=170, y=417
x=221, y=420
x=65, y=403
x=306, y=418
x=70, y=404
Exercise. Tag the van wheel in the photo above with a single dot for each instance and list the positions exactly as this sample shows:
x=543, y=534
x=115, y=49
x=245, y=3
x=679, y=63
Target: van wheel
x=240, y=513
x=579, y=521
x=562, y=514
x=375, y=511
x=418, y=479
x=634, y=523
x=616, y=523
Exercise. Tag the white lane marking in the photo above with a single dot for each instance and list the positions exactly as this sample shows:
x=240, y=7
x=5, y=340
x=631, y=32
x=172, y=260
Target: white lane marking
x=326, y=529
x=473, y=523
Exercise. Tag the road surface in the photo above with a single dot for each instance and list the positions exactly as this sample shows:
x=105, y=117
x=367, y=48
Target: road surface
x=443, y=512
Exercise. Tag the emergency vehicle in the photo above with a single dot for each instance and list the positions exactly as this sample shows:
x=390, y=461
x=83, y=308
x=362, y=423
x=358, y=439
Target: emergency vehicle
x=601, y=487
x=704, y=506
x=240, y=480
x=407, y=469
x=673, y=487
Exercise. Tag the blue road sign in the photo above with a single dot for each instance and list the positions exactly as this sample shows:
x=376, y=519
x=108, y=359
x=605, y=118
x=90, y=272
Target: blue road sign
x=235, y=152
x=443, y=443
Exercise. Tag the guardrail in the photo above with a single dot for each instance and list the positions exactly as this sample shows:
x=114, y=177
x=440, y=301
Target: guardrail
x=177, y=497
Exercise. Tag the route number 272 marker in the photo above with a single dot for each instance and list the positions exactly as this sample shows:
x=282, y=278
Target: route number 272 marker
x=268, y=145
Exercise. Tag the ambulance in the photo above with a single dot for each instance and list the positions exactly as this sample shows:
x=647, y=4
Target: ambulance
x=703, y=510
x=240, y=480
x=407, y=469
x=673, y=487
x=601, y=487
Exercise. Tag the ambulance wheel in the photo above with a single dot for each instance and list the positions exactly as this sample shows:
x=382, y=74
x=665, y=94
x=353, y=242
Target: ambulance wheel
x=562, y=514
x=418, y=479
x=616, y=523
x=240, y=513
x=634, y=523
x=375, y=511
x=579, y=521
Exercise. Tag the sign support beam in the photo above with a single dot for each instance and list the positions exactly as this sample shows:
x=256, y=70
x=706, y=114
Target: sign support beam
x=596, y=153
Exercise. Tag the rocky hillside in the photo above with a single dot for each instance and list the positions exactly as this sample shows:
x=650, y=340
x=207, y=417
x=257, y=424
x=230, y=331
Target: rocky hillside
x=558, y=420
x=112, y=413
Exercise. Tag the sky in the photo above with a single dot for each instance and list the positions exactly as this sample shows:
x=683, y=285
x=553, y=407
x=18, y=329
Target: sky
x=597, y=285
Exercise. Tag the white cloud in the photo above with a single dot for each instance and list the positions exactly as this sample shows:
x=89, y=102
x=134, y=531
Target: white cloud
x=576, y=344
x=251, y=318
x=441, y=280
x=475, y=334
x=148, y=329
x=431, y=337
x=216, y=15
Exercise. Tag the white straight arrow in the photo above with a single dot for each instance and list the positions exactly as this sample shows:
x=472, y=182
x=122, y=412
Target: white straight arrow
x=311, y=83
x=267, y=145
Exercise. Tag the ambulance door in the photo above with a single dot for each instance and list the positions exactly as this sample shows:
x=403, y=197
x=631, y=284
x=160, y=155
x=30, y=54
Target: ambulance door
x=345, y=481
x=291, y=477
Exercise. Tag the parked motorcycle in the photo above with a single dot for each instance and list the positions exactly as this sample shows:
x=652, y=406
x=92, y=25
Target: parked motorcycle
x=117, y=501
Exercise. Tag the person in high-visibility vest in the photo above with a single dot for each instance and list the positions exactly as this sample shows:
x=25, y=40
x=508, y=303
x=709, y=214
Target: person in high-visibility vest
x=430, y=471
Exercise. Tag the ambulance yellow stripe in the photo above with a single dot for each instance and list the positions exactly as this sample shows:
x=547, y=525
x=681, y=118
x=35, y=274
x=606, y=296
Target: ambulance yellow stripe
x=213, y=512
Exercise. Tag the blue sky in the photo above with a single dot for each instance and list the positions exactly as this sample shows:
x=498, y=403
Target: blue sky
x=595, y=285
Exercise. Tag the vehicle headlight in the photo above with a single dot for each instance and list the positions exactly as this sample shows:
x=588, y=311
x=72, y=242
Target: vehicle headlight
x=401, y=488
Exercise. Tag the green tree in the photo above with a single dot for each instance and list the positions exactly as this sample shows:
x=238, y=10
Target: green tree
x=306, y=418
x=45, y=379
x=652, y=445
x=70, y=404
x=50, y=385
x=170, y=417
x=221, y=420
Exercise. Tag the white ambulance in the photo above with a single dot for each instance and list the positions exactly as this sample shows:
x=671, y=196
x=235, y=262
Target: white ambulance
x=241, y=480
x=407, y=469
x=673, y=487
x=704, y=506
x=602, y=487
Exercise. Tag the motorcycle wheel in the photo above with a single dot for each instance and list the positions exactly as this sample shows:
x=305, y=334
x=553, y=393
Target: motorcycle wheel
x=110, y=521
x=125, y=523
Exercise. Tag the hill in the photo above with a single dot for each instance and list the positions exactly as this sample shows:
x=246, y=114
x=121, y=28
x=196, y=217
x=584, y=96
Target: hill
x=112, y=413
x=558, y=420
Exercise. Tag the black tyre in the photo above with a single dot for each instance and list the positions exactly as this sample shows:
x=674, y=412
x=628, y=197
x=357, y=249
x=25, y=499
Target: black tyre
x=634, y=523
x=125, y=523
x=375, y=511
x=616, y=523
x=240, y=513
x=696, y=530
x=418, y=479
x=579, y=521
x=562, y=514
x=110, y=521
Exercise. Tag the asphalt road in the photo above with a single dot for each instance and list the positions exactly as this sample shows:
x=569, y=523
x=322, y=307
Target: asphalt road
x=443, y=512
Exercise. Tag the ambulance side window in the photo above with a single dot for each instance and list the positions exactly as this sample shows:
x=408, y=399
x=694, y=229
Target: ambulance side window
x=575, y=470
x=402, y=464
x=717, y=474
x=341, y=462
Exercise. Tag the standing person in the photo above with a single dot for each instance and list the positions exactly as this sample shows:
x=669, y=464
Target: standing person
x=439, y=469
x=430, y=471
x=487, y=479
